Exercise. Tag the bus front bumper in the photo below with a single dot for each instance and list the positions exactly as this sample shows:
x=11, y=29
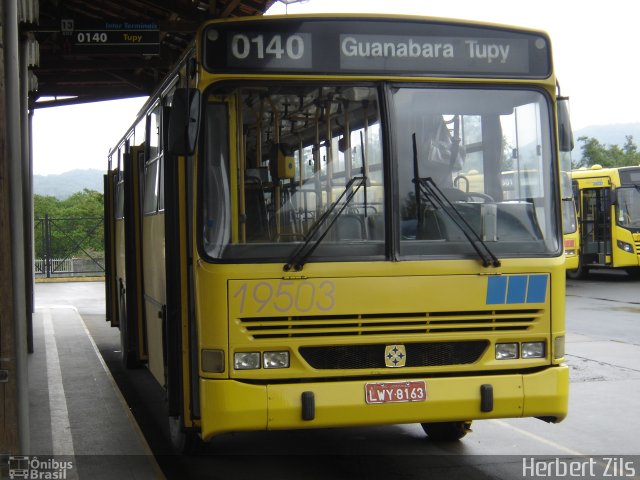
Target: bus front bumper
x=232, y=406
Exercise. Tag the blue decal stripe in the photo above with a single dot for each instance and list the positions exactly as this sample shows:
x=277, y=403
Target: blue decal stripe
x=496, y=290
x=517, y=291
x=537, y=292
x=512, y=289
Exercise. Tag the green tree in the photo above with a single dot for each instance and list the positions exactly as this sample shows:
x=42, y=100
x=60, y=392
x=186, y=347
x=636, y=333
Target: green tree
x=75, y=227
x=87, y=203
x=595, y=153
x=45, y=204
x=630, y=150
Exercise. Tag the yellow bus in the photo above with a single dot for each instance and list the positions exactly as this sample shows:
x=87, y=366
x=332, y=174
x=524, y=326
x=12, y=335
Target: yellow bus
x=569, y=216
x=608, y=210
x=571, y=234
x=294, y=242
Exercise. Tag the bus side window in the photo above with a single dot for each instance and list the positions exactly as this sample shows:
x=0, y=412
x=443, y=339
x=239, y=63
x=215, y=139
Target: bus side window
x=150, y=203
x=152, y=169
x=119, y=194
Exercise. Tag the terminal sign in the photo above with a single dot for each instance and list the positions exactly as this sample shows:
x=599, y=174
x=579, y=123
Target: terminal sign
x=116, y=38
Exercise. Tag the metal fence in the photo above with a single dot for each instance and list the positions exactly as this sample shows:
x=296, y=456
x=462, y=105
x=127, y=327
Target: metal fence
x=67, y=247
x=57, y=265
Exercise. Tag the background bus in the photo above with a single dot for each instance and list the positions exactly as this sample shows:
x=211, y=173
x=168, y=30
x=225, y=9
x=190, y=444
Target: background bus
x=301, y=244
x=569, y=216
x=608, y=209
x=570, y=233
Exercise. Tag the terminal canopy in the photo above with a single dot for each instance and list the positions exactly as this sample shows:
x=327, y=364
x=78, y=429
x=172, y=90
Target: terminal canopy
x=84, y=51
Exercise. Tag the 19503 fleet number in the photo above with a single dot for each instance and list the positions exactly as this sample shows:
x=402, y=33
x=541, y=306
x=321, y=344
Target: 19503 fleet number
x=287, y=296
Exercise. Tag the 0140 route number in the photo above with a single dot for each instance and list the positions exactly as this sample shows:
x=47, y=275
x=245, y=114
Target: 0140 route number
x=259, y=46
x=288, y=296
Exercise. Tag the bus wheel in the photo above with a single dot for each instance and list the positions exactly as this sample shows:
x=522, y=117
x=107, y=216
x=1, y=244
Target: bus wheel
x=446, y=431
x=579, y=273
x=184, y=442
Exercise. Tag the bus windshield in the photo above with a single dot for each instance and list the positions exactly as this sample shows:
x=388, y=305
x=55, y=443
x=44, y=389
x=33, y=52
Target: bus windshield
x=490, y=152
x=314, y=171
x=628, y=207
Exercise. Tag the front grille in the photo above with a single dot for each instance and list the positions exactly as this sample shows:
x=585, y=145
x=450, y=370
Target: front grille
x=433, y=354
x=390, y=324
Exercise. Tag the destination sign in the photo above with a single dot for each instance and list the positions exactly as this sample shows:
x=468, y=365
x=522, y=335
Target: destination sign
x=433, y=54
x=115, y=38
x=374, y=47
x=629, y=176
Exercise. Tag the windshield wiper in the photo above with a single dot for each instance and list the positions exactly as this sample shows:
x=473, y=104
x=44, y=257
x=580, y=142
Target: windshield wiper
x=428, y=187
x=299, y=256
x=431, y=191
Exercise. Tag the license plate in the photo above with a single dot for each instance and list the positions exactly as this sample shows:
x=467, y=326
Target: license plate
x=396, y=392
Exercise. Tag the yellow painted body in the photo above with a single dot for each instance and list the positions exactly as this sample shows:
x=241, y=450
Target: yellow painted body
x=342, y=403
x=379, y=296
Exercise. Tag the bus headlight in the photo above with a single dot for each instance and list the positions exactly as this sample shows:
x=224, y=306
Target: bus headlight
x=275, y=360
x=246, y=360
x=533, y=350
x=506, y=351
x=627, y=247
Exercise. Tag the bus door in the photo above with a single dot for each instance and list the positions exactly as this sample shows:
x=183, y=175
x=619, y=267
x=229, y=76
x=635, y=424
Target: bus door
x=111, y=276
x=152, y=249
x=116, y=276
x=131, y=288
x=595, y=226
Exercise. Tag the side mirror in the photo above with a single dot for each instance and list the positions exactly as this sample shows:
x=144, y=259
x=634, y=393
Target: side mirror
x=565, y=134
x=613, y=197
x=184, y=121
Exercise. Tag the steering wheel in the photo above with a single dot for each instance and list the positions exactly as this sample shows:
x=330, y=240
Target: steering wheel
x=456, y=195
x=485, y=198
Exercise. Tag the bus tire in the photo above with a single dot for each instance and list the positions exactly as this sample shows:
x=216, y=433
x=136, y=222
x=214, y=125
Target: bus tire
x=446, y=431
x=579, y=273
x=184, y=442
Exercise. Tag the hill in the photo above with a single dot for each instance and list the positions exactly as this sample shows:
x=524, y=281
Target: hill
x=607, y=135
x=65, y=184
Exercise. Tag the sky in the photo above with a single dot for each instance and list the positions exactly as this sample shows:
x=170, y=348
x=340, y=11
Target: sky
x=595, y=48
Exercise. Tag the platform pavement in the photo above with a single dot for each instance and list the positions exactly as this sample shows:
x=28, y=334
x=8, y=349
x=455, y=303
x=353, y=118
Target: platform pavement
x=76, y=412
